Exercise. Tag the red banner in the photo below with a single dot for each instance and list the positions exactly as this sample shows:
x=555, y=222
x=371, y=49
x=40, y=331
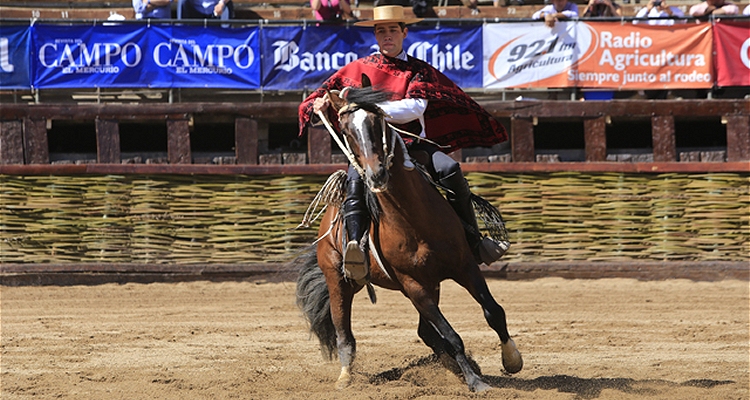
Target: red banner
x=650, y=56
x=654, y=56
x=732, y=41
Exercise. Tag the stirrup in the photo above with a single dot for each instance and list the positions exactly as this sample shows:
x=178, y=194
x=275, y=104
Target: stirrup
x=491, y=250
x=355, y=267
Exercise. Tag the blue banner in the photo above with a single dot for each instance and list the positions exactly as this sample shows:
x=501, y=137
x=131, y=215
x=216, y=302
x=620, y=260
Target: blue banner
x=454, y=51
x=88, y=56
x=14, y=57
x=145, y=56
x=296, y=58
x=207, y=57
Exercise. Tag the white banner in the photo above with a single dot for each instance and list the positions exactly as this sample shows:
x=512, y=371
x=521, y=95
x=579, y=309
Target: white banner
x=533, y=55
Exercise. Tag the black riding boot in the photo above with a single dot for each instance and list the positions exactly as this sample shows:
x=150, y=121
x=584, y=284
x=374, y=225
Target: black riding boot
x=356, y=220
x=485, y=250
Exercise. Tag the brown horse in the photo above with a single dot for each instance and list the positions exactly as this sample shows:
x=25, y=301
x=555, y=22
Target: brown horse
x=416, y=242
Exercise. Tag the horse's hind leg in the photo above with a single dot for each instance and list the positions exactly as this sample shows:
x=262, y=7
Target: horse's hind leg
x=495, y=316
x=427, y=332
x=431, y=337
x=433, y=340
x=440, y=347
x=341, y=296
x=446, y=340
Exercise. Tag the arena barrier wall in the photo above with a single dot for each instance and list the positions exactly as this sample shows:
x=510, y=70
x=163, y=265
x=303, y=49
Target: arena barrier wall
x=115, y=217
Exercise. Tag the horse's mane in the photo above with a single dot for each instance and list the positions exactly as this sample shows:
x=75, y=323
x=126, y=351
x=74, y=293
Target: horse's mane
x=367, y=98
x=373, y=206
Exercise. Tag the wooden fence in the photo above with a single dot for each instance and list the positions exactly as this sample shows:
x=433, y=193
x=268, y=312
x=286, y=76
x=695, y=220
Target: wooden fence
x=24, y=141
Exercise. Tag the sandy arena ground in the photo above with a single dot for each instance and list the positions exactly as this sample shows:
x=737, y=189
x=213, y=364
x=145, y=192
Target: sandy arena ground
x=581, y=339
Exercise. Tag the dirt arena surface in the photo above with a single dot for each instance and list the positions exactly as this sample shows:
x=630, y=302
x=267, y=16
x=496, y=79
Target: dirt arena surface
x=581, y=339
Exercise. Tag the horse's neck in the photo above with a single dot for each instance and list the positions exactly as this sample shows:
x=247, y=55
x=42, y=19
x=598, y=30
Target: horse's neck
x=409, y=192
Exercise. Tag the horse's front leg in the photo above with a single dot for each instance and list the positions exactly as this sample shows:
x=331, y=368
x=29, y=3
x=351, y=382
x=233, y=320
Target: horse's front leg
x=451, y=342
x=341, y=296
x=495, y=316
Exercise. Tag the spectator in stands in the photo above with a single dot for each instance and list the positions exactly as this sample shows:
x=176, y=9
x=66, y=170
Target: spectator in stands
x=331, y=10
x=472, y=4
x=558, y=10
x=746, y=11
x=659, y=12
x=602, y=8
x=205, y=9
x=152, y=9
x=420, y=8
x=713, y=7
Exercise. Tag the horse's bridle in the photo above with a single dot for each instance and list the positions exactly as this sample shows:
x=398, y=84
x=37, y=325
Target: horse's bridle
x=388, y=150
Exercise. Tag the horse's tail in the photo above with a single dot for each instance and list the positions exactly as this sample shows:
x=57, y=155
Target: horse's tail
x=313, y=300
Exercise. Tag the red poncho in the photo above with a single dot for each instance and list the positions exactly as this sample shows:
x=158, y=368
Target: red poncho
x=452, y=117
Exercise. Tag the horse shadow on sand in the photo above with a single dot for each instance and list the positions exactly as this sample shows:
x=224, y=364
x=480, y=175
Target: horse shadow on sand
x=583, y=388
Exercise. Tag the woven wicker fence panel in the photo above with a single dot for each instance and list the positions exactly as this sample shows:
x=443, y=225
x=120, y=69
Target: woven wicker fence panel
x=619, y=217
x=251, y=219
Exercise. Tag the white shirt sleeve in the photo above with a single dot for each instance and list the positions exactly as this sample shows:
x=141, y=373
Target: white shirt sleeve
x=570, y=14
x=548, y=9
x=405, y=110
x=642, y=13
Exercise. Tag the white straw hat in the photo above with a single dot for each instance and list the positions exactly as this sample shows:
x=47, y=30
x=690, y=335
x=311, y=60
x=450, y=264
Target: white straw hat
x=388, y=14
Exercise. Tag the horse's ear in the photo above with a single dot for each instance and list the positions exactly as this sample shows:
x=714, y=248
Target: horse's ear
x=366, y=81
x=336, y=101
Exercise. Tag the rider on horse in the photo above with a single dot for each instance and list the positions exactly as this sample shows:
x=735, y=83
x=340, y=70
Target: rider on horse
x=427, y=104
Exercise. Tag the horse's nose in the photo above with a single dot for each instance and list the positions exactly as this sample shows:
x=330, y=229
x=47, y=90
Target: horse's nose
x=381, y=176
x=378, y=177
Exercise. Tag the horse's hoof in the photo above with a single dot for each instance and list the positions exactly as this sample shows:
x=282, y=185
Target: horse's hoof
x=341, y=385
x=345, y=379
x=512, y=361
x=514, y=366
x=479, y=386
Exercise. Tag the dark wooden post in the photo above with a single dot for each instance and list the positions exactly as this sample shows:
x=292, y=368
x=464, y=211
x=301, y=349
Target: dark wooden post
x=178, y=142
x=107, y=142
x=246, y=140
x=36, y=146
x=318, y=145
x=738, y=137
x=457, y=155
x=11, y=142
x=595, y=137
x=522, y=139
x=662, y=137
